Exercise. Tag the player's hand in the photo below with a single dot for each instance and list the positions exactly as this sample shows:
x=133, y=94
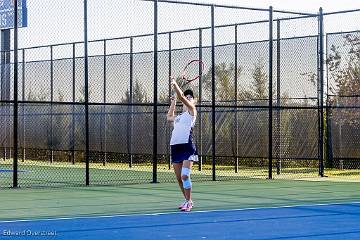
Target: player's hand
x=172, y=81
x=182, y=76
x=172, y=98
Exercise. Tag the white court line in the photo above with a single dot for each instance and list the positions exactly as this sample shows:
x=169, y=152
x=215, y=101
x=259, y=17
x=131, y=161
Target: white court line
x=177, y=212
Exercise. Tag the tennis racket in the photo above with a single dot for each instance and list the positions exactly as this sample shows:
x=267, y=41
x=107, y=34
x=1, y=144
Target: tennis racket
x=191, y=72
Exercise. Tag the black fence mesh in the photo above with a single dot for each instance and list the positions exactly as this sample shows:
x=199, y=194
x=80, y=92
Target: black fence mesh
x=121, y=67
x=343, y=86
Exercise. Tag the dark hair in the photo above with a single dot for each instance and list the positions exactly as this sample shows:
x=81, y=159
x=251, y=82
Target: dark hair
x=189, y=92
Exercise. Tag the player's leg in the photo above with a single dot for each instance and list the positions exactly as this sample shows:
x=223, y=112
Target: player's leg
x=187, y=185
x=177, y=169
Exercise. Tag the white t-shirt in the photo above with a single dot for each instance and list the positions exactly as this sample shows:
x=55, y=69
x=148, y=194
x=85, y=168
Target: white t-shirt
x=182, y=127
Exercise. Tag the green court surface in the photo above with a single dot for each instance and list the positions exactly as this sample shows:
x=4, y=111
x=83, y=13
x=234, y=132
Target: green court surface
x=39, y=203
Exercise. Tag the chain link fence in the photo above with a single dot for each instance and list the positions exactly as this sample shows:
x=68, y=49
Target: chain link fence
x=343, y=102
x=94, y=112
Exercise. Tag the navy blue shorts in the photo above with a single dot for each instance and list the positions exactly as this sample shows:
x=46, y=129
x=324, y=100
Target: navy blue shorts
x=181, y=152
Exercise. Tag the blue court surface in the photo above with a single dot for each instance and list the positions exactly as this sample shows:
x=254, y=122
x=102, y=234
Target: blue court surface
x=323, y=221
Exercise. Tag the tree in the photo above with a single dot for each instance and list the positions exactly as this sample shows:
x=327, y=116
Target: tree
x=139, y=94
x=133, y=117
x=61, y=96
x=224, y=81
x=259, y=87
x=82, y=94
x=225, y=92
x=343, y=65
x=344, y=69
x=344, y=72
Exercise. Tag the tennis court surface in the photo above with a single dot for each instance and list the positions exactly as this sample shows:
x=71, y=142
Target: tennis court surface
x=248, y=209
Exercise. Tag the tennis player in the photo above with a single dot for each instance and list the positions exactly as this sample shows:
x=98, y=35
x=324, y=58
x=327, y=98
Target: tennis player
x=183, y=149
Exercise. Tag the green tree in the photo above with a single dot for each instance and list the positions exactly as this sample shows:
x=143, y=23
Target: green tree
x=224, y=92
x=224, y=81
x=139, y=94
x=344, y=74
x=259, y=86
x=343, y=65
x=344, y=69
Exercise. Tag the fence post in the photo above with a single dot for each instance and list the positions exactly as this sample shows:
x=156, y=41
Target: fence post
x=200, y=102
x=16, y=103
x=86, y=73
x=270, y=150
x=236, y=103
x=321, y=92
x=131, y=101
x=51, y=104
x=169, y=93
x=213, y=86
x=23, y=106
x=155, y=91
x=72, y=141
x=278, y=102
x=103, y=115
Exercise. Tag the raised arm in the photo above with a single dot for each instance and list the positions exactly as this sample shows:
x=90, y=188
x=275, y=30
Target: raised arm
x=171, y=112
x=182, y=98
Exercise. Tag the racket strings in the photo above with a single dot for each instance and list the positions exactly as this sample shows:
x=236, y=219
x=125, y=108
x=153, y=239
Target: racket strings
x=193, y=70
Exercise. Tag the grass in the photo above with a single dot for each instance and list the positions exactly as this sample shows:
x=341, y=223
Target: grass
x=41, y=173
